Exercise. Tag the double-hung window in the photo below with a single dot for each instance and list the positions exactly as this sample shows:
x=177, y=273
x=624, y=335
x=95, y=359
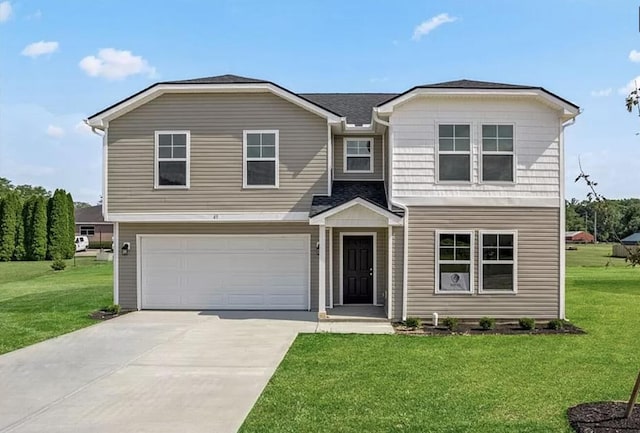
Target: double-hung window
x=87, y=230
x=358, y=155
x=498, y=262
x=454, y=153
x=260, y=159
x=172, y=159
x=454, y=262
x=497, y=153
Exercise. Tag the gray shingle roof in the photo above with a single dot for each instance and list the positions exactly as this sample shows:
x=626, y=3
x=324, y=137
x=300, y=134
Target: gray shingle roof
x=473, y=84
x=218, y=79
x=91, y=214
x=631, y=239
x=356, y=107
x=343, y=191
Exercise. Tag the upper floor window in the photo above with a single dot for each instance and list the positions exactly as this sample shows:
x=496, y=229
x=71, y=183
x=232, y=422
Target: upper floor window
x=454, y=153
x=497, y=153
x=172, y=159
x=358, y=155
x=260, y=159
x=498, y=262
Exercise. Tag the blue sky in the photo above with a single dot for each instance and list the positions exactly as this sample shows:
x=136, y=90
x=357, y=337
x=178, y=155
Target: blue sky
x=62, y=61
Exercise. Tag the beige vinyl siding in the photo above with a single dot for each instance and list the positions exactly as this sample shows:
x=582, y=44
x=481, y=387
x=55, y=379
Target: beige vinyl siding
x=338, y=160
x=127, y=281
x=537, y=264
x=397, y=271
x=381, y=261
x=216, y=123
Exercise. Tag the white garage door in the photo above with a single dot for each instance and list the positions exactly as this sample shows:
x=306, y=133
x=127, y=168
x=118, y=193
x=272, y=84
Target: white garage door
x=224, y=272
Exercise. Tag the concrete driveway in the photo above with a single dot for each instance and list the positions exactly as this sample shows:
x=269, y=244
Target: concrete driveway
x=147, y=372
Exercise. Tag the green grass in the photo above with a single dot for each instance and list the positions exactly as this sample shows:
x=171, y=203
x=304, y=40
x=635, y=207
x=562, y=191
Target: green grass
x=357, y=383
x=37, y=303
x=593, y=255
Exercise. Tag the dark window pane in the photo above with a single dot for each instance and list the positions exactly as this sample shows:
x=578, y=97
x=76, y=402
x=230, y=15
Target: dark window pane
x=505, y=254
x=463, y=253
x=454, y=167
x=447, y=240
x=164, y=152
x=261, y=172
x=164, y=140
x=489, y=131
x=253, y=139
x=446, y=144
x=454, y=278
x=462, y=144
x=497, y=277
x=446, y=253
x=172, y=173
x=268, y=139
x=462, y=131
x=463, y=240
x=253, y=151
x=445, y=131
x=506, y=240
x=268, y=151
x=352, y=147
x=489, y=240
x=497, y=168
x=490, y=253
x=489, y=144
x=505, y=131
x=505, y=144
x=179, y=139
x=358, y=163
x=179, y=152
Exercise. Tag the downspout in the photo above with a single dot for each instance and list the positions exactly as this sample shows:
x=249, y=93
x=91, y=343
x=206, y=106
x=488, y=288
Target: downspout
x=563, y=260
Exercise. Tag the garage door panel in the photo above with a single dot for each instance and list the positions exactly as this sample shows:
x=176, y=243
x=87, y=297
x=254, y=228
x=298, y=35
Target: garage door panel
x=225, y=272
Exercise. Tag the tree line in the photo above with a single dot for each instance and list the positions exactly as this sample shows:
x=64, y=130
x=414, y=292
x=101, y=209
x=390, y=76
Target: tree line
x=611, y=220
x=35, y=225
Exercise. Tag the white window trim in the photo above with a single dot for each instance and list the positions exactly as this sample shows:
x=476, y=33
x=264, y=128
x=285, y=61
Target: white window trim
x=498, y=262
x=448, y=152
x=438, y=262
x=85, y=227
x=187, y=159
x=276, y=158
x=481, y=153
x=344, y=152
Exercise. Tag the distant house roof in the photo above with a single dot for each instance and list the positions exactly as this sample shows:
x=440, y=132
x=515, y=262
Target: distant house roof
x=91, y=214
x=571, y=234
x=631, y=239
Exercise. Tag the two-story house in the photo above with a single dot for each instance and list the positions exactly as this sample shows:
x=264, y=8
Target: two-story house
x=235, y=193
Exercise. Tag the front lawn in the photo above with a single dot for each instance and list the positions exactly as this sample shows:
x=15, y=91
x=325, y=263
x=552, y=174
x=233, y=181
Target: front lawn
x=37, y=303
x=357, y=383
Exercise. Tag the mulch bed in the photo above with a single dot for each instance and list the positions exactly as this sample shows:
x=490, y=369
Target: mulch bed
x=104, y=315
x=472, y=328
x=603, y=417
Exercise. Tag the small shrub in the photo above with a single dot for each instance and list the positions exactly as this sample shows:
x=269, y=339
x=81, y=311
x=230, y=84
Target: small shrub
x=413, y=322
x=113, y=309
x=556, y=324
x=527, y=323
x=451, y=323
x=487, y=323
x=58, y=264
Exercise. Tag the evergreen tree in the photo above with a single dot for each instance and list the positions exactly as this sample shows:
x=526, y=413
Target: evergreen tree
x=37, y=243
x=58, y=226
x=8, y=226
x=27, y=217
x=71, y=227
x=19, y=251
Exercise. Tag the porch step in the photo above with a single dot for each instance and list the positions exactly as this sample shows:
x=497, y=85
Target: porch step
x=337, y=319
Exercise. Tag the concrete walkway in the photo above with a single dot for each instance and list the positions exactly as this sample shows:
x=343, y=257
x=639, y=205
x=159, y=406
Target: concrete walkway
x=152, y=372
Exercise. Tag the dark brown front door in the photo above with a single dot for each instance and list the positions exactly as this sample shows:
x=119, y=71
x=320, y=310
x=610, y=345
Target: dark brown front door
x=357, y=270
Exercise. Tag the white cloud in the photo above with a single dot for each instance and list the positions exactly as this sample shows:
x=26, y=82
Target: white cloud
x=35, y=16
x=5, y=11
x=115, y=64
x=634, y=56
x=55, y=131
x=40, y=48
x=631, y=85
x=431, y=24
x=601, y=92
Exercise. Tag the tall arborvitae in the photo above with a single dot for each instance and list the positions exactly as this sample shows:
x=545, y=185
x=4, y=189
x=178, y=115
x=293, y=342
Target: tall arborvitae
x=19, y=251
x=8, y=207
x=37, y=238
x=27, y=217
x=58, y=226
x=71, y=227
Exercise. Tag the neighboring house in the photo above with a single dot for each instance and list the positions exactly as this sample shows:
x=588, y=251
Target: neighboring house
x=633, y=239
x=90, y=223
x=629, y=244
x=579, y=237
x=235, y=193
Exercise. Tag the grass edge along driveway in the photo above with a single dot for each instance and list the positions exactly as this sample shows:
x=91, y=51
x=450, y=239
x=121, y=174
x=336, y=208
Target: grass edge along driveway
x=37, y=303
x=358, y=383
